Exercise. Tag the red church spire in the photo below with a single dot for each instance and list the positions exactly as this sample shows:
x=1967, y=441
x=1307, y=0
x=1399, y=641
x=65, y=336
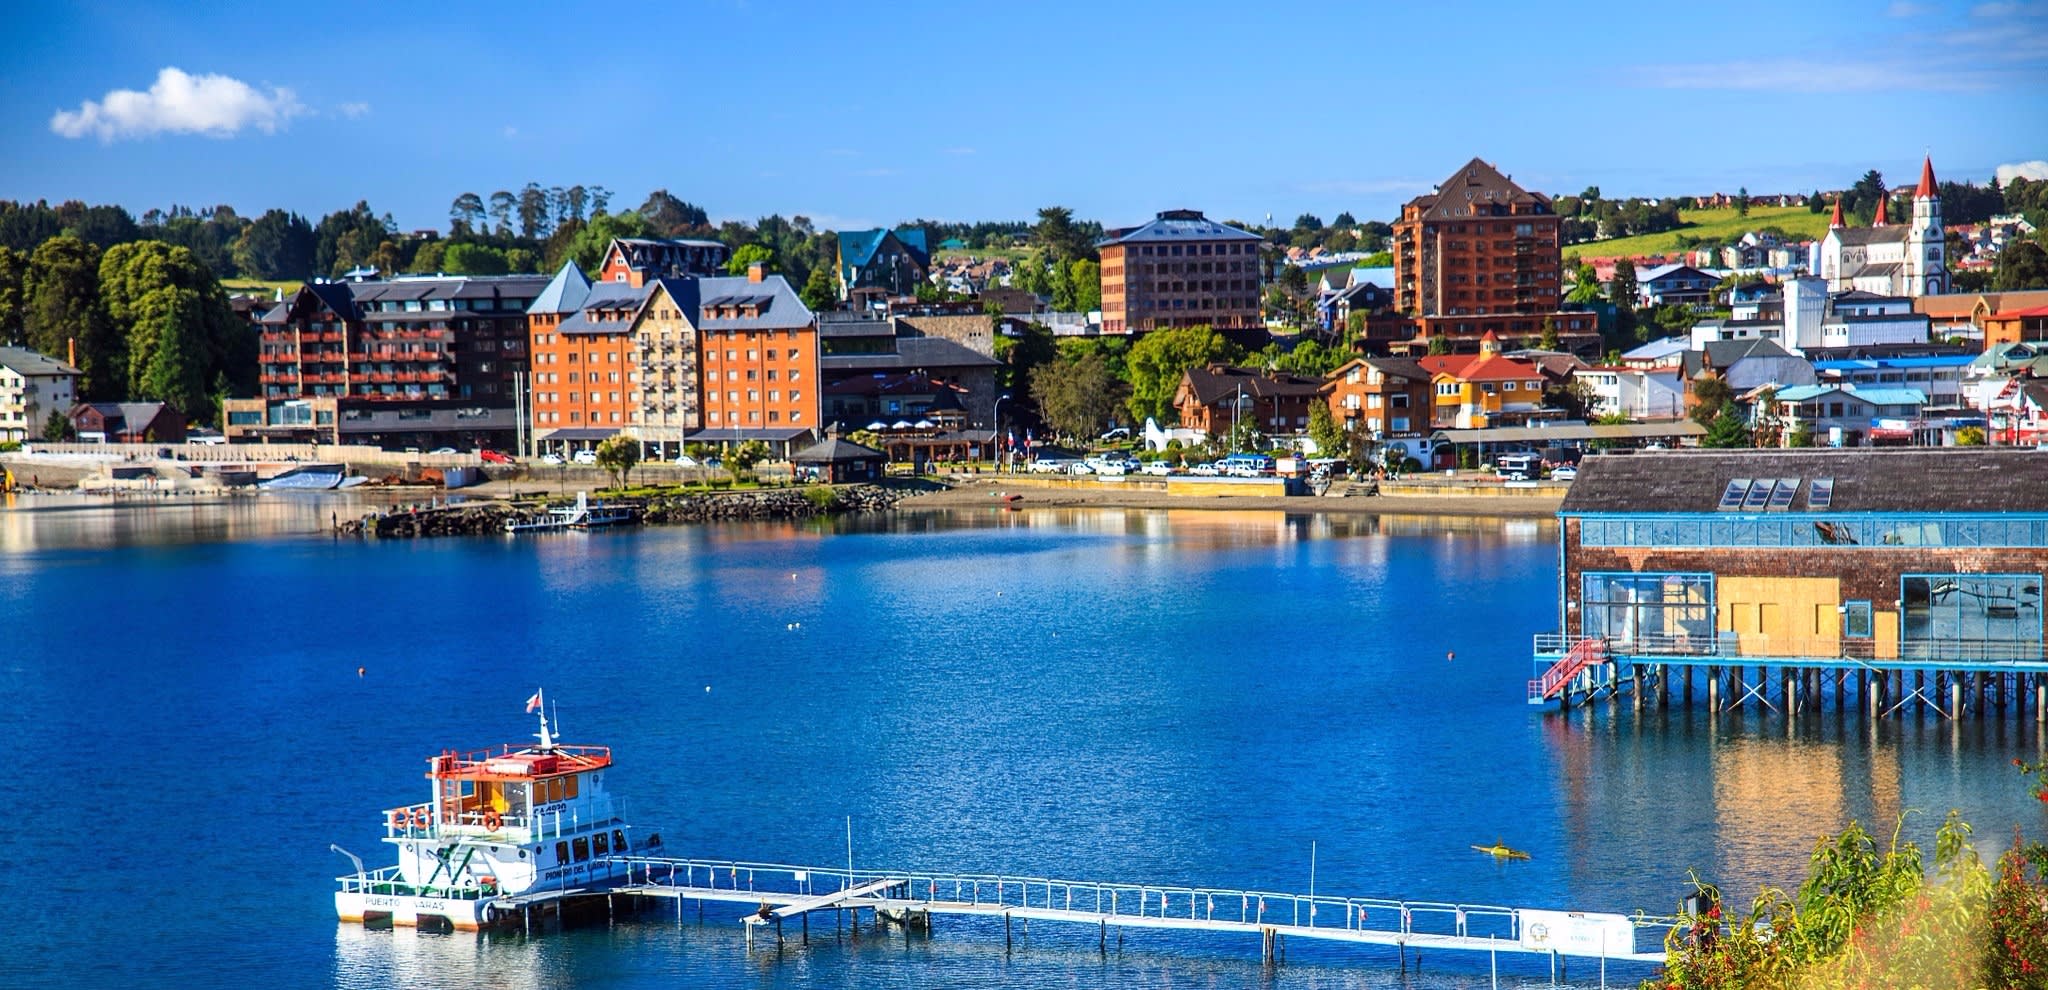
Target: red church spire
x=1926, y=188
x=1836, y=220
x=1880, y=220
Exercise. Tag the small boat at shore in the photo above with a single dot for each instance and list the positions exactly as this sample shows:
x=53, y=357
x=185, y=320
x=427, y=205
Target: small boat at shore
x=307, y=477
x=582, y=515
x=497, y=824
x=1500, y=851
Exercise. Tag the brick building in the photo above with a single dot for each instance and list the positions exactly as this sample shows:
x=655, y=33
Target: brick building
x=670, y=360
x=635, y=260
x=410, y=361
x=1180, y=270
x=1385, y=397
x=1218, y=397
x=1482, y=254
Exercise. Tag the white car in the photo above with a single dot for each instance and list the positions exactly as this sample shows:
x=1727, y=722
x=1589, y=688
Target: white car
x=1053, y=465
x=444, y=450
x=551, y=460
x=1564, y=472
x=685, y=460
x=1206, y=470
x=584, y=457
x=1156, y=468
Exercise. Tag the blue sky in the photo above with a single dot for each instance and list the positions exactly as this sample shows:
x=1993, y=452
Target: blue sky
x=861, y=114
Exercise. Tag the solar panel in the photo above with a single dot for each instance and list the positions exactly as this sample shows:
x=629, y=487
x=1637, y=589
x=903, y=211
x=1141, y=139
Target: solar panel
x=1731, y=497
x=1781, y=496
x=1759, y=495
x=1820, y=493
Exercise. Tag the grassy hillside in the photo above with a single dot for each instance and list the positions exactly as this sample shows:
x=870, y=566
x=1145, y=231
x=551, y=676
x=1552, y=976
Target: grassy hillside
x=1722, y=224
x=258, y=287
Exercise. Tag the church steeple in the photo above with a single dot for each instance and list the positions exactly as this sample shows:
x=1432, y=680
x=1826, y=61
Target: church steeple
x=1836, y=219
x=1926, y=189
x=1926, y=241
x=1881, y=219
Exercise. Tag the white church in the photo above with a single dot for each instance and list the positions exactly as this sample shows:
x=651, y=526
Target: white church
x=1885, y=258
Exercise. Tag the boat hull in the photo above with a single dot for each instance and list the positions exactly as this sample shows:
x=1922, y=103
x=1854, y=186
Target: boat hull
x=408, y=911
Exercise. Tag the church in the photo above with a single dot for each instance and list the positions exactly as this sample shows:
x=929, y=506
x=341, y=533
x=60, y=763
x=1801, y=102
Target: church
x=1885, y=258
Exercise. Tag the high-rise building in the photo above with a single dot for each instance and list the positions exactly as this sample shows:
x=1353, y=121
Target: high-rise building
x=1180, y=270
x=1480, y=254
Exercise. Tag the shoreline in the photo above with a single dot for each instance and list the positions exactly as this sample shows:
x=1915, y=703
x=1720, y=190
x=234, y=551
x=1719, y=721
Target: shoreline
x=987, y=493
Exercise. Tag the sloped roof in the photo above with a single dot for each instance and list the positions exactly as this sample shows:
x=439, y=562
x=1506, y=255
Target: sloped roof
x=1177, y=225
x=911, y=352
x=837, y=450
x=1907, y=479
x=858, y=247
x=617, y=297
x=28, y=363
x=1212, y=384
x=1869, y=235
x=1874, y=396
x=779, y=307
x=564, y=293
x=1475, y=184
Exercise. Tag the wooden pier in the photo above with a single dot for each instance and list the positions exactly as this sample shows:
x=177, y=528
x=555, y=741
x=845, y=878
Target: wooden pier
x=774, y=897
x=1980, y=684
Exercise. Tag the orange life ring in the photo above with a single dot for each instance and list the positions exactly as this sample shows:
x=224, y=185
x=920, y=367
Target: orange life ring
x=420, y=818
x=398, y=818
x=492, y=821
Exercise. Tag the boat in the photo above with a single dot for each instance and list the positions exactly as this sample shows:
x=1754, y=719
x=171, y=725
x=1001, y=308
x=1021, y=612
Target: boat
x=499, y=827
x=582, y=515
x=306, y=477
x=1500, y=851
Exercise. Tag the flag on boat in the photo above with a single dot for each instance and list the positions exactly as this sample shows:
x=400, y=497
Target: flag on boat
x=533, y=702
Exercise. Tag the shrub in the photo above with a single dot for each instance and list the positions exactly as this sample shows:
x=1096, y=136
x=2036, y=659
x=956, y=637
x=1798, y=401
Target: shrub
x=821, y=496
x=9, y=446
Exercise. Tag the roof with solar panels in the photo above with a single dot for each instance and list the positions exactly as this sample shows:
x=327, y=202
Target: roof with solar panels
x=1912, y=479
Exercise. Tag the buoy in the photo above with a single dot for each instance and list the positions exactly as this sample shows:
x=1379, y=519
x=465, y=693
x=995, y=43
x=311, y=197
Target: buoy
x=1450, y=656
x=359, y=671
x=707, y=689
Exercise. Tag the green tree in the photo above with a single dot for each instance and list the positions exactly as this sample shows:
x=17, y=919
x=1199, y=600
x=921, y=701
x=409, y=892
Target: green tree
x=1549, y=341
x=1742, y=201
x=1323, y=429
x=1970, y=436
x=1727, y=430
x=1159, y=359
x=668, y=216
x=1710, y=394
x=746, y=255
x=524, y=261
x=1622, y=290
x=587, y=247
x=347, y=238
x=466, y=216
x=1801, y=435
x=1585, y=284
x=1768, y=429
x=1244, y=436
x=474, y=259
x=821, y=290
x=63, y=310
x=276, y=245
x=619, y=454
x=56, y=429
x=14, y=293
x=1060, y=237
x=2021, y=265
x=430, y=258
x=1077, y=394
x=182, y=341
x=1439, y=345
x=744, y=456
x=1085, y=276
x=1294, y=279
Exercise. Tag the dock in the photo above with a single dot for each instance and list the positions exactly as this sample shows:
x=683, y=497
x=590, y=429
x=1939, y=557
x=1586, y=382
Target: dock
x=768, y=896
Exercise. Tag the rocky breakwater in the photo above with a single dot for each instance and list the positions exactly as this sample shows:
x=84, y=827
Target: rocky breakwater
x=769, y=503
x=478, y=518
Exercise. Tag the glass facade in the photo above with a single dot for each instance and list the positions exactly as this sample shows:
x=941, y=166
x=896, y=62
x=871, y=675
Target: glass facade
x=1657, y=612
x=1805, y=530
x=1970, y=616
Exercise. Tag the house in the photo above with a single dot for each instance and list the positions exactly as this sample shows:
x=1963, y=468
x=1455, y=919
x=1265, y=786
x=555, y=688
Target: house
x=886, y=368
x=1366, y=291
x=1479, y=391
x=1217, y=398
x=1745, y=365
x=1963, y=314
x=1940, y=376
x=32, y=388
x=1637, y=393
x=1844, y=415
x=2016, y=410
x=837, y=461
x=127, y=422
x=1385, y=397
x=1681, y=285
x=635, y=260
x=882, y=263
x=2017, y=326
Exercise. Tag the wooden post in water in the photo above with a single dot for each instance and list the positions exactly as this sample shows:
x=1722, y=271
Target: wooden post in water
x=1688, y=685
x=1713, y=690
x=1663, y=686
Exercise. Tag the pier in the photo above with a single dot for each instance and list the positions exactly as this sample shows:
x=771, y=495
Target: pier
x=776, y=898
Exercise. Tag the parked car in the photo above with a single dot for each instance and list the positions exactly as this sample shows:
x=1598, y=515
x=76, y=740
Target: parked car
x=1156, y=468
x=1246, y=465
x=1516, y=467
x=1119, y=433
x=1052, y=464
x=494, y=457
x=685, y=460
x=1115, y=462
x=551, y=460
x=444, y=450
x=584, y=457
x=1206, y=469
x=1565, y=473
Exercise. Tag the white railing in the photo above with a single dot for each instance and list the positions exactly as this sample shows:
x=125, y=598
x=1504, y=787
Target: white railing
x=1205, y=906
x=416, y=820
x=1739, y=646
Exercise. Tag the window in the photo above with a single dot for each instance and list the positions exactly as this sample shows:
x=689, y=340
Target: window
x=1970, y=616
x=562, y=852
x=1662, y=612
x=1856, y=620
x=582, y=846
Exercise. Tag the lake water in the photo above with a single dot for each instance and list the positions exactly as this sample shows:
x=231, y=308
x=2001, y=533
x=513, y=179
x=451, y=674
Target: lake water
x=1166, y=697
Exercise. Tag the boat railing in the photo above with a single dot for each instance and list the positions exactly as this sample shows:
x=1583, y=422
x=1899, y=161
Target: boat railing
x=391, y=881
x=417, y=821
x=575, y=756
x=1192, y=903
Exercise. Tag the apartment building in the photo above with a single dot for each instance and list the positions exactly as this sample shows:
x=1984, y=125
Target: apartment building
x=1180, y=270
x=31, y=388
x=1385, y=397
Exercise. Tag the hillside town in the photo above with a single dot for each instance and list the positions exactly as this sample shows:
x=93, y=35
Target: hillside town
x=1469, y=327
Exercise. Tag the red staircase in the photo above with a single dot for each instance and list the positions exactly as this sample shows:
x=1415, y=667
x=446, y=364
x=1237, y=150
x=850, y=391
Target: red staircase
x=1582, y=654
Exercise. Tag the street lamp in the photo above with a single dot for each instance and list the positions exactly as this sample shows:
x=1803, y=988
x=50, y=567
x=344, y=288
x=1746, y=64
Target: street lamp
x=996, y=429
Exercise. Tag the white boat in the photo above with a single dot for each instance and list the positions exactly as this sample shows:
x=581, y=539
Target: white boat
x=306, y=477
x=582, y=515
x=497, y=826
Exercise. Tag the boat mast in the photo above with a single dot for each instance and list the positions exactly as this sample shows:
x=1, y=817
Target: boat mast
x=539, y=703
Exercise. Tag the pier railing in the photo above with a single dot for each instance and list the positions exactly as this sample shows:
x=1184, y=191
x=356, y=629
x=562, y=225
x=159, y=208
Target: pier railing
x=1756, y=646
x=1167, y=905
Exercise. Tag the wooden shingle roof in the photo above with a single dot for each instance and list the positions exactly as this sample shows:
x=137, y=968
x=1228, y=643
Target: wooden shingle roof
x=1910, y=479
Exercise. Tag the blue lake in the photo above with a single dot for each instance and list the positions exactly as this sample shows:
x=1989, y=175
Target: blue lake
x=1183, y=697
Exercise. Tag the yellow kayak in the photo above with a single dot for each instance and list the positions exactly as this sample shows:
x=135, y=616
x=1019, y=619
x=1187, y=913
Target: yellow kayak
x=1499, y=851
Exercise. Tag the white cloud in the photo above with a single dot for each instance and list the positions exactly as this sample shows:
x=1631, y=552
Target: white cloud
x=354, y=110
x=180, y=103
x=1803, y=75
x=2033, y=171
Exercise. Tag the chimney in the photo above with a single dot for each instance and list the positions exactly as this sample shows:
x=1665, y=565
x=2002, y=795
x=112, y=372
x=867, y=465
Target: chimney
x=757, y=271
x=71, y=351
